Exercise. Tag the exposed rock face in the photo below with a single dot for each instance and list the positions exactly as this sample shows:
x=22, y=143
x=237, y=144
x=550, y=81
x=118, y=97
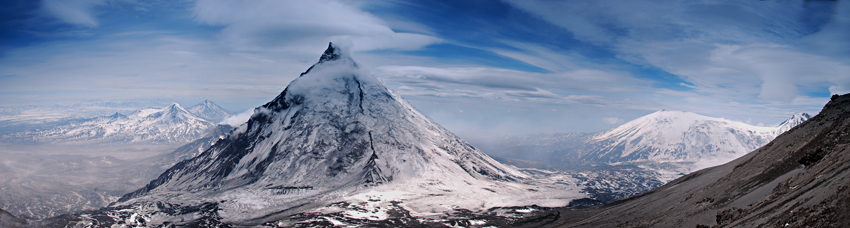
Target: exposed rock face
x=800, y=179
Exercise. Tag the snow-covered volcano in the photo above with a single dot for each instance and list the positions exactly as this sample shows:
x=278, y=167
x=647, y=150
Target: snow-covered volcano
x=676, y=136
x=210, y=111
x=694, y=140
x=334, y=134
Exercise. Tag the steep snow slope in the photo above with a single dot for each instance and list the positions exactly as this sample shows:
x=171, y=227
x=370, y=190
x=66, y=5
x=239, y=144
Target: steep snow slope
x=336, y=134
x=159, y=125
x=210, y=111
x=800, y=179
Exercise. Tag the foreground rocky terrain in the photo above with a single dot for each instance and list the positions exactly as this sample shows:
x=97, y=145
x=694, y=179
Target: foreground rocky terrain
x=800, y=179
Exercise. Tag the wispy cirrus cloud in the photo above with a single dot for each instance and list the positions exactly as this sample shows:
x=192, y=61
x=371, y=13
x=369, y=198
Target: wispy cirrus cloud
x=73, y=12
x=300, y=25
x=749, y=50
x=579, y=86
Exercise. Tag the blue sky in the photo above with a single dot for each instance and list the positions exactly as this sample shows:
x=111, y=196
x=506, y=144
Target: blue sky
x=478, y=67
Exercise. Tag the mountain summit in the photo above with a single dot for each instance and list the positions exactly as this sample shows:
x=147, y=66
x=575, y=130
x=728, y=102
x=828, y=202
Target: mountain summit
x=331, y=54
x=210, y=111
x=336, y=134
x=792, y=122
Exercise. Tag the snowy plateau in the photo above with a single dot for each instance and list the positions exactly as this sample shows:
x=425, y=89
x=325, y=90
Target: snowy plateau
x=336, y=145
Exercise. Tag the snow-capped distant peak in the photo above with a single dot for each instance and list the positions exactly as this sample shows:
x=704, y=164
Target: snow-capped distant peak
x=789, y=123
x=175, y=107
x=210, y=111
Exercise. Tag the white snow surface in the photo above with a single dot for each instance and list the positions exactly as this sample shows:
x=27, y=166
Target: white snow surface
x=161, y=125
x=337, y=134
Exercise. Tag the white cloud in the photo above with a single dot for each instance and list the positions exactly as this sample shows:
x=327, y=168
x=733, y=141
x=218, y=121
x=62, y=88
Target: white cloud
x=299, y=26
x=73, y=12
x=576, y=86
x=781, y=69
x=612, y=120
x=238, y=119
x=770, y=72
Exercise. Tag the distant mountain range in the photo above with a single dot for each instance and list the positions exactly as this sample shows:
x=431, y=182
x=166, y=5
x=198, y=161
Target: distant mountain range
x=171, y=124
x=16, y=118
